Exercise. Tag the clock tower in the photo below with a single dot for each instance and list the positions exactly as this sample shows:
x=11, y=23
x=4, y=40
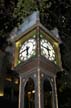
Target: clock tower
x=37, y=60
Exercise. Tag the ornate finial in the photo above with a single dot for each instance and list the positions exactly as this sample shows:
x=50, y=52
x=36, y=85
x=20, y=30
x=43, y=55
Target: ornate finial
x=37, y=15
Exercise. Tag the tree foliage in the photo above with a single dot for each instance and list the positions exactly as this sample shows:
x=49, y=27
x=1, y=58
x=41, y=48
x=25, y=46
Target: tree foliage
x=24, y=8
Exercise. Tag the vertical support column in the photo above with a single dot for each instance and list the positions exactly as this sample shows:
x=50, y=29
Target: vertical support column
x=38, y=40
x=55, y=93
x=38, y=68
x=20, y=93
x=39, y=90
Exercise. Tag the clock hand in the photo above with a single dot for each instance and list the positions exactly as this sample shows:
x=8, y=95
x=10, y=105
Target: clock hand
x=27, y=48
x=45, y=47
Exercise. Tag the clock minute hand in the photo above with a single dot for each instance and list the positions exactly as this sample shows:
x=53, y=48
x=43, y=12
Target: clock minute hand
x=26, y=49
x=45, y=47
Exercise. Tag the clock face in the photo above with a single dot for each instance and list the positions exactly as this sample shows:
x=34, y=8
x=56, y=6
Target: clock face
x=27, y=50
x=47, y=50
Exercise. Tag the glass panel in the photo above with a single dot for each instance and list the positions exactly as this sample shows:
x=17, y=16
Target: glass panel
x=28, y=49
x=47, y=94
x=29, y=94
x=47, y=49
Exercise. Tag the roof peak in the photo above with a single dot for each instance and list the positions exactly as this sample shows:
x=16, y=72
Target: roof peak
x=26, y=24
x=29, y=22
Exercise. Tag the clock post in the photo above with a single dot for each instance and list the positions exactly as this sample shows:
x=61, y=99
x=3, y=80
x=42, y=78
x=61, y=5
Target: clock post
x=37, y=61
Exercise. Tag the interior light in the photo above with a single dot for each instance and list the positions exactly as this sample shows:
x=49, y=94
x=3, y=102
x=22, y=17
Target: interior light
x=33, y=91
x=1, y=93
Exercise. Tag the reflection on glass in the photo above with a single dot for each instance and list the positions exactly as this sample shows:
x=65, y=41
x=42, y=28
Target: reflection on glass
x=29, y=96
x=47, y=94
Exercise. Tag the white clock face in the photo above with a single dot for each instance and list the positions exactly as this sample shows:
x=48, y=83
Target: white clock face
x=47, y=50
x=27, y=50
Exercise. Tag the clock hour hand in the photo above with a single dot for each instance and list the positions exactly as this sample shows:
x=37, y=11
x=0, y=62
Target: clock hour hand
x=27, y=48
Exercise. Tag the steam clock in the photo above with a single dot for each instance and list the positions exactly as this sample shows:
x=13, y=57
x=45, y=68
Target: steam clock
x=37, y=60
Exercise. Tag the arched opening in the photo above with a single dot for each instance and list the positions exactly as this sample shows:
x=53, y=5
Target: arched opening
x=29, y=94
x=47, y=91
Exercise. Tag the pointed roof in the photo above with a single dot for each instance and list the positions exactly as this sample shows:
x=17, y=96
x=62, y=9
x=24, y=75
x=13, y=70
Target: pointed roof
x=29, y=23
